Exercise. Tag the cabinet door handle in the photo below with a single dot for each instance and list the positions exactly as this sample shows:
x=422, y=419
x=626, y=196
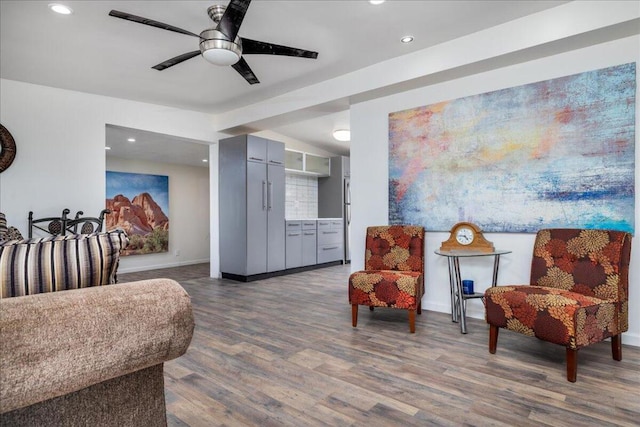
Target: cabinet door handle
x=329, y=232
x=269, y=195
x=264, y=194
x=256, y=158
x=293, y=234
x=330, y=249
x=309, y=234
x=275, y=162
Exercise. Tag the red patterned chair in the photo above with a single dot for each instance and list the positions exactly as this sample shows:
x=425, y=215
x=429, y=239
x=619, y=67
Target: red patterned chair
x=393, y=275
x=578, y=293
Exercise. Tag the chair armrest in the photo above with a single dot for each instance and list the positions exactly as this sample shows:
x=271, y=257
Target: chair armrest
x=60, y=342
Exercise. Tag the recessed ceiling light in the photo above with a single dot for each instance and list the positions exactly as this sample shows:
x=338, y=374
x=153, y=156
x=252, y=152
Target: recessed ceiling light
x=407, y=39
x=342, y=135
x=205, y=160
x=376, y=1
x=107, y=148
x=131, y=140
x=60, y=8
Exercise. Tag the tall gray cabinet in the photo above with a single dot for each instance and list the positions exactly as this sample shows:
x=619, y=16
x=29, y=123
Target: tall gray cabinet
x=252, y=201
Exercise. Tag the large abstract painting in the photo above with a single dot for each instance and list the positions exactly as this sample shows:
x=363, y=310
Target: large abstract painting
x=557, y=153
x=139, y=204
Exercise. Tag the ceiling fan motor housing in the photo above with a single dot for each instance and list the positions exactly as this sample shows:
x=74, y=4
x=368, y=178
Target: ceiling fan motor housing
x=216, y=49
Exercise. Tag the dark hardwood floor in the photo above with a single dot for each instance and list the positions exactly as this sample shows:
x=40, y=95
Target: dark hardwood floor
x=282, y=352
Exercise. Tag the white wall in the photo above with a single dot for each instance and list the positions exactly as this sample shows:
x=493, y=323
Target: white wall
x=369, y=173
x=188, y=214
x=60, y=138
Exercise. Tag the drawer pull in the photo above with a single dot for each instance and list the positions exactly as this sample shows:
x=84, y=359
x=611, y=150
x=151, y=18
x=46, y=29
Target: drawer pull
x=293, y=234
x=309, y=234
x=330, y=249
x=329, y=232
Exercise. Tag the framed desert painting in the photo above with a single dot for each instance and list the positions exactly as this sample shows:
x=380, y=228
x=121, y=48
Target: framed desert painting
x=139, y=205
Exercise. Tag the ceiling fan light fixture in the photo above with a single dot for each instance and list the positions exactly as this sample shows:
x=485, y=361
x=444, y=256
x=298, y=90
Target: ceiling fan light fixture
x=342, y=135
x=217, y=50
x=220, y=56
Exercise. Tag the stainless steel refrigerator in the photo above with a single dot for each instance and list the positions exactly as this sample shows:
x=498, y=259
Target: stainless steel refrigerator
x=334, y=197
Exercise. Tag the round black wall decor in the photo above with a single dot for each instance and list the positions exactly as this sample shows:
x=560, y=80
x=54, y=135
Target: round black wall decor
x=7, y=149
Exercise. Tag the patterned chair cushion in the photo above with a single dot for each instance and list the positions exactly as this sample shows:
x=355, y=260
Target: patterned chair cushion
x=578, y=293
x=386, y=288
x=58, y=263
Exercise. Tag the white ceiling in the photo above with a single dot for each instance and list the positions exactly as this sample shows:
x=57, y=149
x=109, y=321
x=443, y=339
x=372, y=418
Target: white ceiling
x=92, y=52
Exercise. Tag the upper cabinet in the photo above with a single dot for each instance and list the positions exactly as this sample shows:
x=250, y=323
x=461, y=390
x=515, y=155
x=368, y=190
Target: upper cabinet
x=306, y=163
x=265, y=151
x=294, y=160
x=317, y=164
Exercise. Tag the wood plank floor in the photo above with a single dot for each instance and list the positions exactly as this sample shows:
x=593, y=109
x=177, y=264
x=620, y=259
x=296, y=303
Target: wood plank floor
x=282, y=352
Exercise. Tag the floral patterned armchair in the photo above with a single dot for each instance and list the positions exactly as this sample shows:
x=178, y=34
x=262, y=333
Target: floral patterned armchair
x=578, y=293
x=393, y=275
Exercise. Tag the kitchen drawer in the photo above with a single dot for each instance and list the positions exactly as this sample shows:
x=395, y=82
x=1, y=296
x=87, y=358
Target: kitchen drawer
x=324, y=224
x=328, y=237
x=308, y=225
x=293, y=225
x=329, y=253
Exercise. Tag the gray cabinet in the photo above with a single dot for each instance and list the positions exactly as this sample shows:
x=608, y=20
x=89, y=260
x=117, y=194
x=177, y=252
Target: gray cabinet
x=293, y=243
x=252, y=204
x=330, y=240
x=309, y=243
x=301, y=243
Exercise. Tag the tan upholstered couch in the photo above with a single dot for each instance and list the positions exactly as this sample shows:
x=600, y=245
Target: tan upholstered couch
x=91, y=356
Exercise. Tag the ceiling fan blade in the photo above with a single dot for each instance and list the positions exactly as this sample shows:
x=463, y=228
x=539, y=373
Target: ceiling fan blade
x=245, y=71
x=256, y=47
x=232, y=19
x=175, y=61
x=151, y=22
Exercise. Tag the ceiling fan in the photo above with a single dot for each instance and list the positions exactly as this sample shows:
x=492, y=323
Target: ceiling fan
x=221, y=45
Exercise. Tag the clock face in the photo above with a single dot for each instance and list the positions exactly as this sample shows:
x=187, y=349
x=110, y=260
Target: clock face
x=464, y=236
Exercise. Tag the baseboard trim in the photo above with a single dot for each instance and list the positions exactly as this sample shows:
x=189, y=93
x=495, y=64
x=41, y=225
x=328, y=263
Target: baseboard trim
x=163, y=265
x=262, y=276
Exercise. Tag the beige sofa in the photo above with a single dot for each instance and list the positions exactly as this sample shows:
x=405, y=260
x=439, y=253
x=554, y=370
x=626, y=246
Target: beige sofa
x=91, y=356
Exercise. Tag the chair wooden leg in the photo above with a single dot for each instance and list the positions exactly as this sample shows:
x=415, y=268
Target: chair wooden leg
x=616, y=347
x=354, y=315
x=493, y=338
x=572, y=365
x=420, y=307
x=412, y=321
x=370, y=308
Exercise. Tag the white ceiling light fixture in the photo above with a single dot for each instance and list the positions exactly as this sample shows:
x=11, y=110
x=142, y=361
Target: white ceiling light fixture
x=376, y=2
x=107, y=148
x=60, y=8
x=342, y=135
x=205, y=160
x=407, y=39
x=131, y=140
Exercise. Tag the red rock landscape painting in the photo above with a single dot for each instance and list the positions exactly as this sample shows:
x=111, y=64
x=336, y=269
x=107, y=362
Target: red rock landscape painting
x=136, y=202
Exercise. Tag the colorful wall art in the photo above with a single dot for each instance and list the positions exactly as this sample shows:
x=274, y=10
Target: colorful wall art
x=139, y=204
x=557, y=153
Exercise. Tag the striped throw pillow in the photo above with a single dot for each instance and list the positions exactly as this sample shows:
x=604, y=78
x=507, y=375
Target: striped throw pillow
x=58, y=263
